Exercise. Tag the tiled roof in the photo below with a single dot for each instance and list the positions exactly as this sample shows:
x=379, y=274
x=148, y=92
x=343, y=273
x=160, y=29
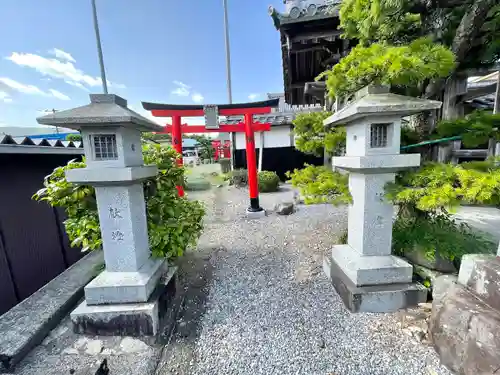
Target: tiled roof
x=274, y=119
x=283, y=116
x=27, y=145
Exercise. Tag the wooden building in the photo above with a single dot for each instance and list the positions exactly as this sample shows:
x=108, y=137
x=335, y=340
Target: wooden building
x=310, y=44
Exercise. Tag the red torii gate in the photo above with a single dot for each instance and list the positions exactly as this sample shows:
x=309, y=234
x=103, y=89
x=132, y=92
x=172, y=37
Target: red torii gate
x=211, y=114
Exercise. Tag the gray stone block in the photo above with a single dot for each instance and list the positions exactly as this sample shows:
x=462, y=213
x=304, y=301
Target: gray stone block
x=255, y=214
x=466, y=333
x=125, y=287
x=25, y=325
x=135, y=319
x=467, y=265
x=440, y=288
x=285, y=208
x=371, y=270
x=484, y=282
x=132, y=319
x=375, y=298
x=417, y=256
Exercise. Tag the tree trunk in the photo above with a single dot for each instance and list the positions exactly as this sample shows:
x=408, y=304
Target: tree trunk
x=469, y=27
x=424, y=123
x=467, y=31
x=452, y=108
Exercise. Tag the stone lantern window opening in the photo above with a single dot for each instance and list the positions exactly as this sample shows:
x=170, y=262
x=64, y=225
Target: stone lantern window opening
x=104, y=146
x=379, y=135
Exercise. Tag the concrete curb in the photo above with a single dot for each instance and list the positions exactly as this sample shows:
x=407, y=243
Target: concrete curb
x=25, y=325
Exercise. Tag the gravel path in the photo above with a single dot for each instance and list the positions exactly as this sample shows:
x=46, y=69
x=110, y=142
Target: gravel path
x=259, y=303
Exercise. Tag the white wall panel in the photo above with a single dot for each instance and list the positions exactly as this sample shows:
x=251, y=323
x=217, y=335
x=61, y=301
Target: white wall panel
x=278, y=136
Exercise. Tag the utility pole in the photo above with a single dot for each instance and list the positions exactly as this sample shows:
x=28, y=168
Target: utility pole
x=228, y=77
x=99, y=49
x=53, y=111
x=228, y=54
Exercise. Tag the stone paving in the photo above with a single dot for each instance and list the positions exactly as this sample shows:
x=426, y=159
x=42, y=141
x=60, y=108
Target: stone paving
x=256, y=302
x=261, y=304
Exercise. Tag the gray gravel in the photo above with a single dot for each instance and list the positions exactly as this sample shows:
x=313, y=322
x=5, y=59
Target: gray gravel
x=265, y=307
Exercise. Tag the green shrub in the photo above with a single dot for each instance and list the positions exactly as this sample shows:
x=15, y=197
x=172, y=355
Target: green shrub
x=238, y=177
x=424, y=197
x=174, y=223
x=318, y=184
x=225, y=165
x=74, y=137
x=268, y=181
x=198, y=184
x=437, y=233
x=343, y=238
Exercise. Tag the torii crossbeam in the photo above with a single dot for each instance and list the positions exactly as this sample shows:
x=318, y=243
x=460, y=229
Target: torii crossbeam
x=212, y=124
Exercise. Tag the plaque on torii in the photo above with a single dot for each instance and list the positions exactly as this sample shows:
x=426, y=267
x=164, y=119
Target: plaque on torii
x=211, y=114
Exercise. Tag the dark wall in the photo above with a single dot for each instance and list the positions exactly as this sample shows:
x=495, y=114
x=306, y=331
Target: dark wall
x=34, y=247
x=279, y=160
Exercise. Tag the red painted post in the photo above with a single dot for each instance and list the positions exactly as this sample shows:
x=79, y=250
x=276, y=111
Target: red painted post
x=177, y=144
x=251, y=165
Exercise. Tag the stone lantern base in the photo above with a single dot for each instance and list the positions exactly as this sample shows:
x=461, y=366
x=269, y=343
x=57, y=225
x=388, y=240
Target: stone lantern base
x=373, y=298
x=149, y=318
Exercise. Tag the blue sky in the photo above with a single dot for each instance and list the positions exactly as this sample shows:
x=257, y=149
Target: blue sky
x=154, y=50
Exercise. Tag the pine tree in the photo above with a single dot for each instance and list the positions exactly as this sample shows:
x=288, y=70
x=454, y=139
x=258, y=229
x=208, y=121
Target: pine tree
x=414, y=46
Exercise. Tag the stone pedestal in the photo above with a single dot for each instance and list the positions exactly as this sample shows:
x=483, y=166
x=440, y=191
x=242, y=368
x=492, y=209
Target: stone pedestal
x=130, y=319
x=255, y=214
x=127, y=297
x=364, y=273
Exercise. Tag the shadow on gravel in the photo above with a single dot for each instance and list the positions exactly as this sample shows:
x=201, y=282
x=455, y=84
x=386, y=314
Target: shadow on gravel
x=195, y=274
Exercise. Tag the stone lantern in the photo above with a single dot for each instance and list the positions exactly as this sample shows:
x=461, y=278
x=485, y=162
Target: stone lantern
x=119, y=300
x=363, y=271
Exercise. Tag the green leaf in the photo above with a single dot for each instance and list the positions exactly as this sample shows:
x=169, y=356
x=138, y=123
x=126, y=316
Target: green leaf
x=173, y=222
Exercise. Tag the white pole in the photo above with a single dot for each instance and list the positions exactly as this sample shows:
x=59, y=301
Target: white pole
x=228, y=77
x=99, y=49
x=228, y=53
x=261, y=150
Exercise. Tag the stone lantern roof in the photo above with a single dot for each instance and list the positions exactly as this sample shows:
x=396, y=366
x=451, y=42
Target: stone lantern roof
x=103, y=110
x=378, y=101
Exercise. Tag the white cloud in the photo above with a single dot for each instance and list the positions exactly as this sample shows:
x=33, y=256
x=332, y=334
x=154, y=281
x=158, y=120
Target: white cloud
x=181, y=84
x=76, y=84
x=62, y=55
x=116, y=85
x=253, y=96
x=182, y=89
x=185, y=90
x=197, y=97
x=5, y=97
x=21, y=87
x=55, y=68
x=59, y=95
x=163, y=120
x=10, y=84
